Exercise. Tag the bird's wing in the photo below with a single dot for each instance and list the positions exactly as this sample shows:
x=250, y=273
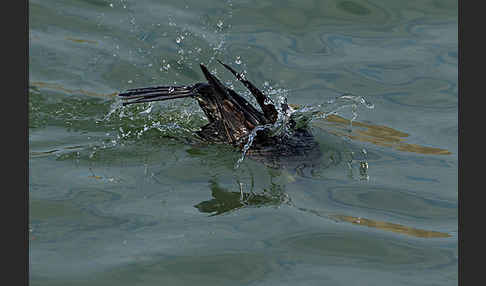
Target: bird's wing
x=268, y=109
x=156, y=93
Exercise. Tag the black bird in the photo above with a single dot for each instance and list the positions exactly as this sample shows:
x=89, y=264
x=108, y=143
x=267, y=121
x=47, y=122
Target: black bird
x=232, y=118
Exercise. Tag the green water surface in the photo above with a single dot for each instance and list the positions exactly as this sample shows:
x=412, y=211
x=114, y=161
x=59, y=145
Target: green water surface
x=128, y=196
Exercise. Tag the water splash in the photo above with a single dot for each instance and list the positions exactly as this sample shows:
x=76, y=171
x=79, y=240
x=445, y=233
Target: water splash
x=249, y=142
x=152, y=121
x=238, y=60
x=116, y=106
x=359, y=162
x=302, y=116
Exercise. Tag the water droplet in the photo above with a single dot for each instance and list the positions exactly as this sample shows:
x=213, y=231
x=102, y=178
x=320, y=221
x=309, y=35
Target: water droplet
x=238, y=60
x=165, y=67
x=248, y=144
x=363, y=171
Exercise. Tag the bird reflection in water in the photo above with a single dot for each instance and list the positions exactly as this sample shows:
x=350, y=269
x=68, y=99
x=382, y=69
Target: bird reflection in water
x=226, y=201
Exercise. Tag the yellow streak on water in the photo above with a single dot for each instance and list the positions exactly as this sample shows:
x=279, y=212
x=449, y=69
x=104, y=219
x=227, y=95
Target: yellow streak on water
x=81, y=41
x=388, y=226
x=95, y=177
x=380, y=135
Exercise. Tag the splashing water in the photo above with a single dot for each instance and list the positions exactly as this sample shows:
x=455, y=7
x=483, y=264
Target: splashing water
x=333, y=106
x=116, y=106
x=238, y=60
x=180, y=122
x=249, y=142
x=151, y=120
x=359, y=164
x=304, y=115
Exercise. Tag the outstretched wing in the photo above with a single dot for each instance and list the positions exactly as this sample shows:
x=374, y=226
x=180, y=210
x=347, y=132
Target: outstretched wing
x=156, y=93
x=268, y=109
x=238, y=116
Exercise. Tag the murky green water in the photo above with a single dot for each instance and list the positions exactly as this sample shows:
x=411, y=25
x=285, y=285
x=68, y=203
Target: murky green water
x=127, y=196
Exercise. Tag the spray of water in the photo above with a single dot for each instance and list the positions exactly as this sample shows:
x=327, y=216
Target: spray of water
x=249, y=142
x=303, y=115
x=190, y=47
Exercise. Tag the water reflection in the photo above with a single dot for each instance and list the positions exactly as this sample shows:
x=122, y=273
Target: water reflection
x=225, y=201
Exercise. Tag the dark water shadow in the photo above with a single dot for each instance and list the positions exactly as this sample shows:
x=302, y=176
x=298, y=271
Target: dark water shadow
x=225, y=201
